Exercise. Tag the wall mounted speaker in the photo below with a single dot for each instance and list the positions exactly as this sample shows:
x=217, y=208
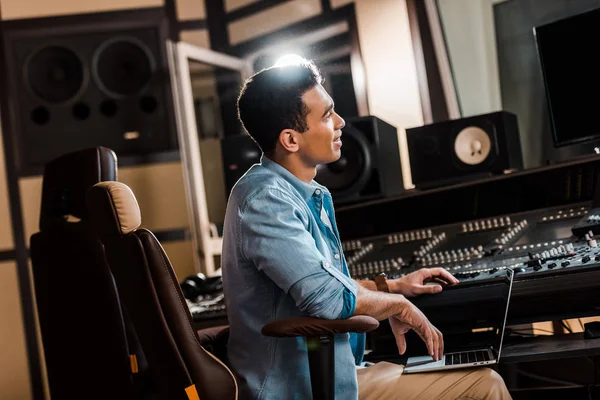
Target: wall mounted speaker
x=369, y=166
x=456, y=150
x=88, y=80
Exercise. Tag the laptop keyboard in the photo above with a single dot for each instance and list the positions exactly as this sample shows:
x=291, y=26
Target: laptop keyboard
x=467, y=357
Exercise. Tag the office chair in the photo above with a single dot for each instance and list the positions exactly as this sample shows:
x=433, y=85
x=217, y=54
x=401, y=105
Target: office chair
x=85, y=340
x=150, y=291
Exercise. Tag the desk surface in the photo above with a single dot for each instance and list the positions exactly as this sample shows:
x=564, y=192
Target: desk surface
x=541, y=348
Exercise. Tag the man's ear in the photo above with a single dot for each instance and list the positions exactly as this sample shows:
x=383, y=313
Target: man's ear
x=288, y=139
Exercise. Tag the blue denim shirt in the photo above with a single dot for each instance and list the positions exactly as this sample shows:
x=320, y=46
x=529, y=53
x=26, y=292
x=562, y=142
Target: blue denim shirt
x=282, y=257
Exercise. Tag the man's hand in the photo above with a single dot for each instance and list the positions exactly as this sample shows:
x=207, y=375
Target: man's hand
x=412, y=318
x=414, y=283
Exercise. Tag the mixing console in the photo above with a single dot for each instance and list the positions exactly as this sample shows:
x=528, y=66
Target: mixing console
x=538, y=246
x=530, y=242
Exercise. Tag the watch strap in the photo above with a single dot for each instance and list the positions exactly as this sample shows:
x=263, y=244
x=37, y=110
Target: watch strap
x=381, y=283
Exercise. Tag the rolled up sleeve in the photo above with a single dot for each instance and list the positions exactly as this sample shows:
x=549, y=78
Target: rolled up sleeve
x=276, y=240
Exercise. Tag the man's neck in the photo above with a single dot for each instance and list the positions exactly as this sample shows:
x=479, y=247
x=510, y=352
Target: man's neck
x=296, y=167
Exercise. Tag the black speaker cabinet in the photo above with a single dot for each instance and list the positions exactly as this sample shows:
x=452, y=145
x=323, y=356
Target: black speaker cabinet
x=239, y=153
x=89, y=80
x=456, y=150
x=369, y=167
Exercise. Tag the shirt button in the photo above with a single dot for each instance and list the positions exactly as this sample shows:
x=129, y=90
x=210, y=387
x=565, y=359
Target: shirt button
x=326, y=265
x=336, y=256
x=318, y=191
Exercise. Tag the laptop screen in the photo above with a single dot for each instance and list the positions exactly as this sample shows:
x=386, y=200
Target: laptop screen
x=475, y=317
x=506, y=298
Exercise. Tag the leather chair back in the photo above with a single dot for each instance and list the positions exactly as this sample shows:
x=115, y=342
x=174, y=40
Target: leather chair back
x=151, y=293
x=86, y=348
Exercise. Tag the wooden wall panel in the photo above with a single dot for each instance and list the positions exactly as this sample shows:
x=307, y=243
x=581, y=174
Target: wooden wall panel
x=231, y=5
x=31, y=200
x=197, y=37
x=272, y=19
x=339, y=3
x=190, y=9
x=14, y=369
x=182, y=258
x=17, y=9
x=6, y=236
x=160, y=192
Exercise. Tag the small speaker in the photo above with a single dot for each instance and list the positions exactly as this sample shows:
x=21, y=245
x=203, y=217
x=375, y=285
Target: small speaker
x=239, y=153
x=369, y=166
x=461, y=149
x=90, y=80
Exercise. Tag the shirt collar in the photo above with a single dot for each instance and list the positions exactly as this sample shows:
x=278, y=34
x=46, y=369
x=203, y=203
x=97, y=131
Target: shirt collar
x=305, y=189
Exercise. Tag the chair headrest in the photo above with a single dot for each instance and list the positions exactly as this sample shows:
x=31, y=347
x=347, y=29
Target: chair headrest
x=113, y=209
x=66, y=180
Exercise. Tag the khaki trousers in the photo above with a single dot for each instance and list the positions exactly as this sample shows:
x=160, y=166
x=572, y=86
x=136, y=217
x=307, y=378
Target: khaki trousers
x=384, y=381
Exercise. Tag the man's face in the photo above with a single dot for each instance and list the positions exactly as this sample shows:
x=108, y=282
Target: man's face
x=321, y=143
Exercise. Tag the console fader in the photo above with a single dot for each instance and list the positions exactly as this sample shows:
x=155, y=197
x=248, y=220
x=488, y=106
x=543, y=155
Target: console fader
x=528, y=243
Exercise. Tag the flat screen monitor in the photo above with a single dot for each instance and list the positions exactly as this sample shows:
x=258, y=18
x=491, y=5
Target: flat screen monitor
x=568, y=53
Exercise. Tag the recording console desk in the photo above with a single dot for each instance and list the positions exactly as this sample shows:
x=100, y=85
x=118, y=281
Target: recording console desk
x=545, y=348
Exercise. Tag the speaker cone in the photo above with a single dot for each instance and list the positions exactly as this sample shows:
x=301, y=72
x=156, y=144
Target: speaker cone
x=472, y=145
x=350, y=172
x=54, y=74
x=123, y=66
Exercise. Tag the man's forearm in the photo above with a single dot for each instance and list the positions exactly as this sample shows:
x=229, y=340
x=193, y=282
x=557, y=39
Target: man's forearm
x=367, y=284
x=393, y=285
x=379, y=305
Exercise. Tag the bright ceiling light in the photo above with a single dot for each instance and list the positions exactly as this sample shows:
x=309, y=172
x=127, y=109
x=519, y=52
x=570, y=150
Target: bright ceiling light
x=289, y=59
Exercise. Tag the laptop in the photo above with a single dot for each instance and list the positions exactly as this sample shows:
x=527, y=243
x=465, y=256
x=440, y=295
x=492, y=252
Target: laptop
x=477, y=355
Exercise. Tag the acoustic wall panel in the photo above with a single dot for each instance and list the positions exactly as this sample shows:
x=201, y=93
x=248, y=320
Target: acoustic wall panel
x=190, y=9
x=6, y=236
x=14, y=369
x=197, y=37
x=274, y=18
x=160, y=192
x=31, y=198
x=181, y=255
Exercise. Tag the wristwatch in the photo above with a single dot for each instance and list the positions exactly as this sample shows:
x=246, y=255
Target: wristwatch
x=381, y=282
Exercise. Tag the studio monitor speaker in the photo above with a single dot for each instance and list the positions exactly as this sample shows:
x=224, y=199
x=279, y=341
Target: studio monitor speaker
x=89, y=80
x=456, y=150
x=239, y=152
x=369, y=166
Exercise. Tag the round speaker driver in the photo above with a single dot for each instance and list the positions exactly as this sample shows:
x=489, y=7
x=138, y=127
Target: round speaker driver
x=55, y=74
x=123, y=66
x=472, y=145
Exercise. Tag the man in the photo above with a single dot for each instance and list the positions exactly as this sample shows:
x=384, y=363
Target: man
x=282, y=257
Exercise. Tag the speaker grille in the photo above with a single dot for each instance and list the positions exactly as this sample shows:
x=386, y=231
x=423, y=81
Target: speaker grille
x=472, y=145
x=55, y=74
x=123, y=66
x=351, y=169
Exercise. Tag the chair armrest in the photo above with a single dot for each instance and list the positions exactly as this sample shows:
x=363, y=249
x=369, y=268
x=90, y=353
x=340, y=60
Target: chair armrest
x=310, y=327
x=212, y=335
